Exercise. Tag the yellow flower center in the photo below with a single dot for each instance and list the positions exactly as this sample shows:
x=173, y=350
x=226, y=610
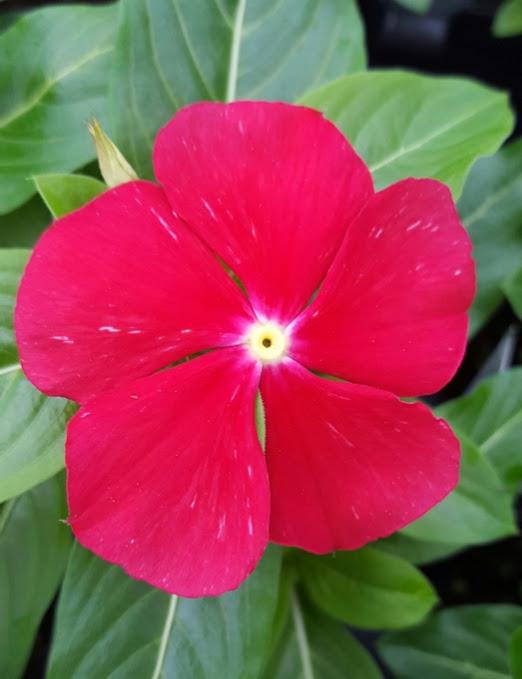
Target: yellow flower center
x=267, y=342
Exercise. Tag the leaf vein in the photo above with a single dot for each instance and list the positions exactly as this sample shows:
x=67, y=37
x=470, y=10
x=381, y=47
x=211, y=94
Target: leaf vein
x=405, y=150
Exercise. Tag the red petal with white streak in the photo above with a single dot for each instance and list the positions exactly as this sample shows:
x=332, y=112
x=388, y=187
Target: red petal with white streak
x=166, y=477
x=349, y=464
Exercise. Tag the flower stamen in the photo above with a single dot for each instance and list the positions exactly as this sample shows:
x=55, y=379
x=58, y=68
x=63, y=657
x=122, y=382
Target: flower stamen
x=267, y=342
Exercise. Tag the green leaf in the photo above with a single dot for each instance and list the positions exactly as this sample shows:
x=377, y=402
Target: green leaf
x=12, y=263
x=491, y=210
x=33, y=552
x=367, y=588
x=508, y=19
x=477, y=511
x=32, y=434
x=170, y=53
x=515, y=654
x=418, y=552
x=408, y=125
x=419, y=6
x=458, y=643
x=22, y=227
x=513, y=289
x=111, y=625
x=491, y=415
x=53, y=76
x=64, y=193
x=316, y=647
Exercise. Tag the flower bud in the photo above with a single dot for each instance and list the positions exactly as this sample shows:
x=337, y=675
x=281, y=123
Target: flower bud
x=114, y=168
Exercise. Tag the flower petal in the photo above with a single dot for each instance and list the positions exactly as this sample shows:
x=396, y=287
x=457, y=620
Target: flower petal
x=166, y=477
x=270, y=187
x=349, y=464
x=392, y=310
x=118, y=289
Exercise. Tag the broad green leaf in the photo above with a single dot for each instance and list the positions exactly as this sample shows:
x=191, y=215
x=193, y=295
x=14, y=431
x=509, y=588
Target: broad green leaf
x=508, y=19
x=313, y=646
x=418, y=552
x=491, y=210
x=12, y=263
x=513, y=290
x=53, y=76
x=111, y=625
x=409, y=125
x=33, y=552
x=21, y=227
x=64, y=193
x=468, y=642
x=515, y=654
x=477, y=511
x=491, y=416
x=32, y=434
x=419, y=6
x=170, y=53
x=367, y=588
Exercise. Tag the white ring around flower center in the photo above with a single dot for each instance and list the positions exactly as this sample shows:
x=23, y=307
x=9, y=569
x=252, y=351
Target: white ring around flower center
x=267, y=342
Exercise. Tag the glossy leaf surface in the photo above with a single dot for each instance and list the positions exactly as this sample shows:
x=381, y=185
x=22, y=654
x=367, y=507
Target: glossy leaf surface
x=22, y=227
x=33, y=551
x=477, y=511
x=508, y=19
x=53, y=76
x=12, y=263
x=491, y=415
x=312, y=646
x=32, y=434
x=468, y=641
x=367, y=588
x=409, y=125
x=64, y=193
x=111, y=625
x=230, y=49
x=491, y=210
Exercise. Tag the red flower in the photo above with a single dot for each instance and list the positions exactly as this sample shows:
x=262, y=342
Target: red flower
x=166, y=476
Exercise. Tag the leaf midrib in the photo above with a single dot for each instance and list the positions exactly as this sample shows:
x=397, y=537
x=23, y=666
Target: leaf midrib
x=490, y=202
x=378, y=587
x=467, y=669
x=48, y=84
x=501, y=431
x=165, y=635
x=10, y=368
x=405, y=150
x=303, y=645
x=235, y=48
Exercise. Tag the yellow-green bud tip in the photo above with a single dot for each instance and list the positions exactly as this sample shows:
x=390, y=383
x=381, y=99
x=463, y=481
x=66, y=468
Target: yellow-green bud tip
x=114, y=168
